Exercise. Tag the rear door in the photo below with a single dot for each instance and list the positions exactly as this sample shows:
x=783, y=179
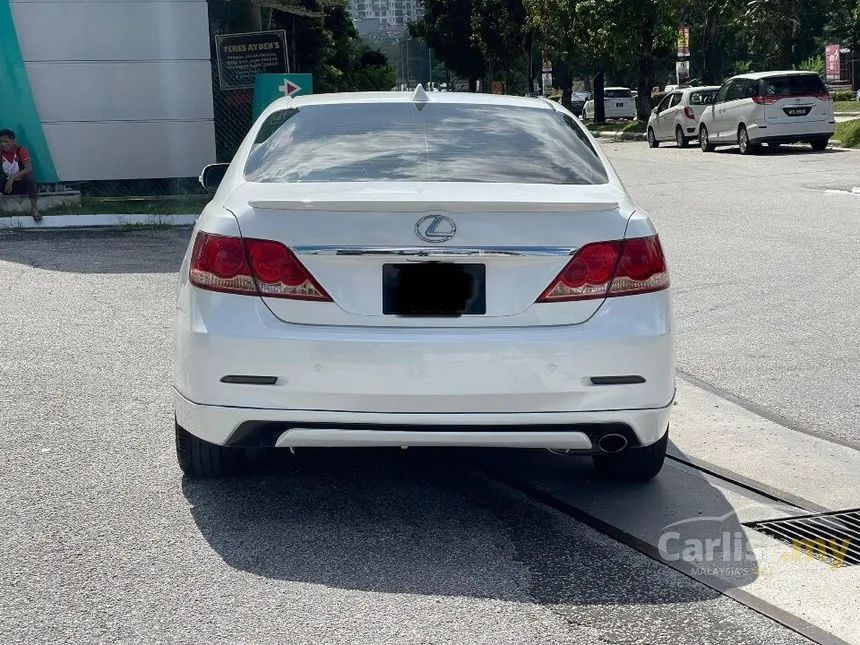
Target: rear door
x=795, y=99
x=360, y=192
x=670, y=115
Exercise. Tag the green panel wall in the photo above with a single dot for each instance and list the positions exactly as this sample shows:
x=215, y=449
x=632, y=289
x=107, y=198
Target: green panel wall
x=17, y=107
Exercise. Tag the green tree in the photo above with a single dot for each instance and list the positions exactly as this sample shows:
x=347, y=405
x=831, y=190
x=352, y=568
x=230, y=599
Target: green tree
x=503, y=35
x=446, y=28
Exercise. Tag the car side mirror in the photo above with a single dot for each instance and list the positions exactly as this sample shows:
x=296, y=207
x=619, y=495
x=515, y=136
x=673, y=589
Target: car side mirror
x=655, y=110
x=212, y=175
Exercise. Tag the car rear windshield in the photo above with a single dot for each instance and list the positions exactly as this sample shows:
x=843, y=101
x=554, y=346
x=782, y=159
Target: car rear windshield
x=618, y=94
x=703, y=97
x=406, y=142
x=793, y=85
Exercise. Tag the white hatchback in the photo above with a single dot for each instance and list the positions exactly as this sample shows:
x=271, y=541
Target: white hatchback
x=676, y=116
x=769, y=107
x=445, y=269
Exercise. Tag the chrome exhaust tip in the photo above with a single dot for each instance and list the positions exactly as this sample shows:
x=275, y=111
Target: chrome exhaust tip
x=611, y=443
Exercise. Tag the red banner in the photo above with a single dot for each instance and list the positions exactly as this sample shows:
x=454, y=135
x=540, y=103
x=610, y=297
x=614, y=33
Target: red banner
x=832, y=63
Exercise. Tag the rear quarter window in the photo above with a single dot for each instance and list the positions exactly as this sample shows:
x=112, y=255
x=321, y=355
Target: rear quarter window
x=703, y=98
x=441, y=142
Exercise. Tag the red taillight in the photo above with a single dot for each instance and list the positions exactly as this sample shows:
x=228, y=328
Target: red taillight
x=251, y=267
x=688, y=112
x=606, y=269
x=766, y=100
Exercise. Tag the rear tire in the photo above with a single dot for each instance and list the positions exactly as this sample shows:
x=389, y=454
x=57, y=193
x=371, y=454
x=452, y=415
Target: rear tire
x=819, y=144
x=744, y=144
x=680, y=139
x=634, y=464
x=704, y=142
x=199, y=458
x=652, y=139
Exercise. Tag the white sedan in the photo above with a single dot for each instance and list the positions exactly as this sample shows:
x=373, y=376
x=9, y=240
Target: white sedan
x=445, y=269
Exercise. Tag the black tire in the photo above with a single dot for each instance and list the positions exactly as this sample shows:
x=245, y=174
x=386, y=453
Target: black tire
x=819, y=144
x=705, y=142
x=680, y=139
x=652, y=139
x=746, y=146
x=199, y=458
x=634, y=464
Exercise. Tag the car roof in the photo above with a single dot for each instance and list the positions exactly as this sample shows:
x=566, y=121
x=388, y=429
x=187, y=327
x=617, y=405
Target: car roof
x=463, y=98
x=789, y=72
x=699, y=88
x=615, y=88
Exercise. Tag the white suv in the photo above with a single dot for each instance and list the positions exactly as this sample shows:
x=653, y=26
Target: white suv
x=769, y=107
x=618, y=103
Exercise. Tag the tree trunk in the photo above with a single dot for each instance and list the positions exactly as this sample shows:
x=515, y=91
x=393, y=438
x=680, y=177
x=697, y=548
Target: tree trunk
x=709, y=62
x=599, y=108
x=473, y=84
x=645, y=70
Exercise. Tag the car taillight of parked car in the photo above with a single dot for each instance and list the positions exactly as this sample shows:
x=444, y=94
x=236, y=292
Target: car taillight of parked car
x=251, y=267
x=607, y=269
x=688, y=112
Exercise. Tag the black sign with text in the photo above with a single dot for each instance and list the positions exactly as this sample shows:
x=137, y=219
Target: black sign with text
x=242, y=56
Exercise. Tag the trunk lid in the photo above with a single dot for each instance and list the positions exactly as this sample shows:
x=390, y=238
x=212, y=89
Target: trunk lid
x=795, y=99
x=344, y=234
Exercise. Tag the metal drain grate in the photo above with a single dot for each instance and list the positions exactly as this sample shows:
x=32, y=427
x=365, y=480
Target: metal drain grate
x=831, y=537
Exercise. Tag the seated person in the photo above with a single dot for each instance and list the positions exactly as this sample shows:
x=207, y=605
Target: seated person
x=17, y=171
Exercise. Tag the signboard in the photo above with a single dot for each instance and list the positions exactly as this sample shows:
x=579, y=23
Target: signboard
x=270, y=87
x=832, y=63
x=682, y=71
x=683, y=42
x=241, y=57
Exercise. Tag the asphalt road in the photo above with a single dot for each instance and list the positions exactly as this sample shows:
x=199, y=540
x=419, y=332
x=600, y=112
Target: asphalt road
x=763, y=253
x=102, y=540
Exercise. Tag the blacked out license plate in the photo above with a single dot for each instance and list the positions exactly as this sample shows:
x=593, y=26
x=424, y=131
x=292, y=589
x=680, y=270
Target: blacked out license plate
x=434, y=289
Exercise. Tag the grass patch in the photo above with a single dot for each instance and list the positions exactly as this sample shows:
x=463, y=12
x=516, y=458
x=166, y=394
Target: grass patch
x=846, y=106
x=848, y=133
x=183, y=205
x=617, y=126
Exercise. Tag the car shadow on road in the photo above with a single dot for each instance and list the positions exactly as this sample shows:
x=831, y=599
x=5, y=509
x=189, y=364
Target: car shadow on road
x=103, y=251
x=782, y=151
x=433, y=522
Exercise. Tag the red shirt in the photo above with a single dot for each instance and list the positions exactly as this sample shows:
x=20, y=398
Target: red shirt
x=21, y=152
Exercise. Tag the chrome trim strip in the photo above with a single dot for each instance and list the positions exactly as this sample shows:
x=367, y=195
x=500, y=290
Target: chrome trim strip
x=427, y=251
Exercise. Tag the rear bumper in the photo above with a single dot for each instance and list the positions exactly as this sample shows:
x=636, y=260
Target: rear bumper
x=455, y=380
x=790, y=133
x=575, y=431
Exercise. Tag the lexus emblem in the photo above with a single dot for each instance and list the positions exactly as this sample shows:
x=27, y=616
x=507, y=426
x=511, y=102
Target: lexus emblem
x=435, y=228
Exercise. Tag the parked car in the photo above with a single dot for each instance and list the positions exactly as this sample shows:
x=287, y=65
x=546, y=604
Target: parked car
x=425, y=269
x=618, y=102
x=578, y=101
x=676, y=117
x=768, y=107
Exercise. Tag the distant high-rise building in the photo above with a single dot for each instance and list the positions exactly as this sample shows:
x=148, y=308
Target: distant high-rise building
x=390, y=15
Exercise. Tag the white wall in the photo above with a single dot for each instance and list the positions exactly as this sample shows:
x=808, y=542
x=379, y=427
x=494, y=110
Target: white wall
x=123, y=87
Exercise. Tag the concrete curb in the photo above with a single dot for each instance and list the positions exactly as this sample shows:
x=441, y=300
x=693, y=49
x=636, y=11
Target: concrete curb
x=620, y=136
x=18, y=222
